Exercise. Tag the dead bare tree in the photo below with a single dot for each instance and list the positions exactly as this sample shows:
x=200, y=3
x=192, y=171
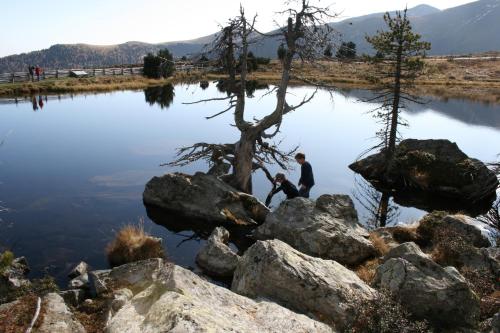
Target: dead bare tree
x=304, y=37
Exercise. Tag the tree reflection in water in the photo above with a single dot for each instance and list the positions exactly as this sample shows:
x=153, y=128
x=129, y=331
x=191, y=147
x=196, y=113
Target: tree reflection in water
x=161, y=95
x=380, y=208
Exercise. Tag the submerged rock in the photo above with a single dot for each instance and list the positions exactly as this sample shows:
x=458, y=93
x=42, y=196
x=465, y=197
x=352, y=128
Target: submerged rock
x=204, y=197
x=432, y=175
x=322, y=288
x=215, y=257
x=163, y=297
x=429, y=291
x=57, y=317
x=327, y=228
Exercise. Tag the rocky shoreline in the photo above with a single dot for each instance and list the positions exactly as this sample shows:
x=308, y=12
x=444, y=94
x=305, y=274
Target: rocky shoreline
x=313, y=268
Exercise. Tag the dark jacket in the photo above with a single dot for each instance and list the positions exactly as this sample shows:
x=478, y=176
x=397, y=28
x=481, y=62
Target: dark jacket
x=306, y=175
x=288, y=188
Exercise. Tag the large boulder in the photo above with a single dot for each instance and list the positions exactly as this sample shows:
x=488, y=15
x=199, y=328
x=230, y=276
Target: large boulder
x=151, y=296
x=57, y=317
x=321, y=288
x=215, y=257
x=469, y=229
x=429, y=291
x=204, y=197
x=432, y=174
x=327, y=228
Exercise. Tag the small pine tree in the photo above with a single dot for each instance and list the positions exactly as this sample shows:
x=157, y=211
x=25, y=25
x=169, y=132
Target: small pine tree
x=160, y=65
x=347, y=50
x=328, y=51
x=401, y=50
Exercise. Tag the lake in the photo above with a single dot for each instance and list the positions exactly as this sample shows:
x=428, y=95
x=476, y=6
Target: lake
x=73, y=168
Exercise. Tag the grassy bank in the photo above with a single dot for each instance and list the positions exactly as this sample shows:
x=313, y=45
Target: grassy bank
x=474, y=79
x=91, y=84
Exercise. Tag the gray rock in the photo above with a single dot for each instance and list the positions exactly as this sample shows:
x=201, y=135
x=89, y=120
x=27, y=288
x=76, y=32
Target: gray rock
x=429, y=291
x=73, y=297
x=495, y=323
x=432, y=175
x=57, y=317
x=327, y=228
x=80, y=282
x=204, y=197
x=321, y=288
x=97, y=282
x=78, y=270
x=215, y=257
x=168, y=298
x=14, y=276
x=470, y=229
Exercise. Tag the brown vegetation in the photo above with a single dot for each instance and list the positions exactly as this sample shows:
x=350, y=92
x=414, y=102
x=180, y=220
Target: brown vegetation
x=385, y=315
x=131, y=244
x=367, y=270
x=17, y=318
x=379, y=243
x=93, y=315
x=91, y=84
x=474, y=79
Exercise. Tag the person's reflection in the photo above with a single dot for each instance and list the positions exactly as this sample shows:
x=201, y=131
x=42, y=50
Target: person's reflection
x=40, y=101
x=35, y=104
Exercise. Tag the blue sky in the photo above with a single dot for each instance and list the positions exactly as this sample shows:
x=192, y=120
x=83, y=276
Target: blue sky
x=29, y=25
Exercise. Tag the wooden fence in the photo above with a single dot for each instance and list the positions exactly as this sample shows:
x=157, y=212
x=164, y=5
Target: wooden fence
x=63, y=73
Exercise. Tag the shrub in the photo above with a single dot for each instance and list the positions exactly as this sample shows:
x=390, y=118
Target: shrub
x=6, y=260
x=385, y=315
x=131, y=244
x=160, y=65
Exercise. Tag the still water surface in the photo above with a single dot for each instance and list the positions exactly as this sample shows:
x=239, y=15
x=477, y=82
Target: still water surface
x=72, y=172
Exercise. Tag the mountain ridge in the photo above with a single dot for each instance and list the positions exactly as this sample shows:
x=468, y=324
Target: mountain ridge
x=468, y=28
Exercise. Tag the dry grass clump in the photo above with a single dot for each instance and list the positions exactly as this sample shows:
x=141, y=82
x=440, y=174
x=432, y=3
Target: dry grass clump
x=380, y=244
x=385, y=315
x=367, y=270
x=131, y=244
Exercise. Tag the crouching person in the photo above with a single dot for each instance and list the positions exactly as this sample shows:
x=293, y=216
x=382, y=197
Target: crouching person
x=284, y=185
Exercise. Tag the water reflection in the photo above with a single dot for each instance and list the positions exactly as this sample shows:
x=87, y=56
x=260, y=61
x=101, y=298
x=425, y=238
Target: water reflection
x=161, y=95
x=198, y=230
x=251, y=87
x=64, y=210
x=204, y=85
x=379, y=207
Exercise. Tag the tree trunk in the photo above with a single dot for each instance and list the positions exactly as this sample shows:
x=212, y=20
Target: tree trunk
x=383, y=209
x=395, y=103
x=243, y=161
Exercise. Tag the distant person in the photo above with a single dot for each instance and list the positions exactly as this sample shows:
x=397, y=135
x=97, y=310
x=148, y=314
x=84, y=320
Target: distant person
x=37, y=72
x=306, y=181
x=35, y=104
x=31, y=70
x=285, y=185
x=40, y=101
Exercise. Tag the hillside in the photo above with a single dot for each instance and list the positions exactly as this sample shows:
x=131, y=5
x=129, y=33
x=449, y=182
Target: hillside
x=469, y=28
